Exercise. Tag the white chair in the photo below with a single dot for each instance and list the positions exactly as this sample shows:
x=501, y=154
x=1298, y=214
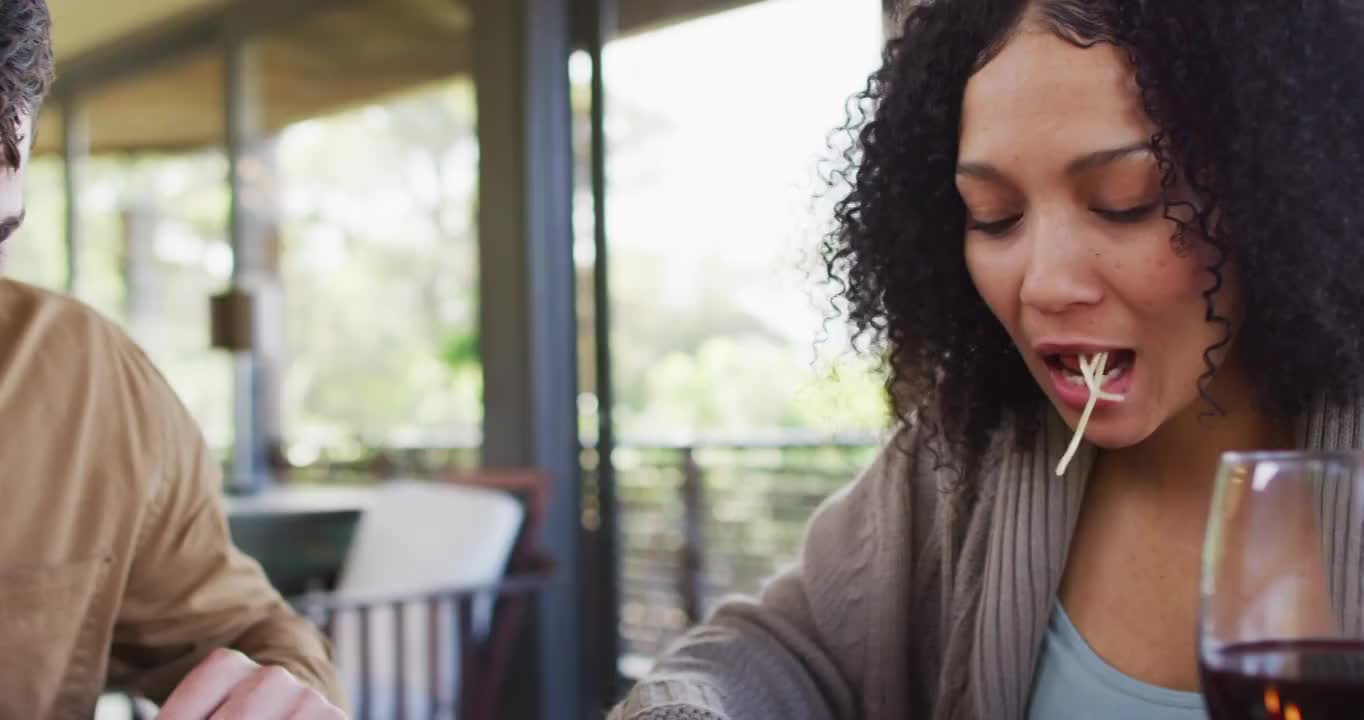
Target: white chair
x=418, y=538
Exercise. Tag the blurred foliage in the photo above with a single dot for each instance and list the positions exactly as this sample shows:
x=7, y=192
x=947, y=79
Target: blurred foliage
x=377, y=225
x=721, y=330
x=192, y=261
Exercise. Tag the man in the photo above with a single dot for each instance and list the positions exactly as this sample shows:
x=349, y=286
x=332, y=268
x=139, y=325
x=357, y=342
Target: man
x=115, y=563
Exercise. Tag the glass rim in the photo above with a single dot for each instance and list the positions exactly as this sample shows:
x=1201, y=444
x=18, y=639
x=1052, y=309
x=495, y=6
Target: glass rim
x=1247, y=457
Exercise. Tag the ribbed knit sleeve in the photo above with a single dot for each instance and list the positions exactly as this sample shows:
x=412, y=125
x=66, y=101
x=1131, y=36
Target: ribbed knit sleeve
x=802, y=651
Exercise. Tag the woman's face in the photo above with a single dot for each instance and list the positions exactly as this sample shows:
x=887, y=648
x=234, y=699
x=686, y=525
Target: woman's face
x=1067, y=240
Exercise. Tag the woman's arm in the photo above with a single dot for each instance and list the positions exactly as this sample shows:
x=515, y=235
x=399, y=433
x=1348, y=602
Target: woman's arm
x=801, y=650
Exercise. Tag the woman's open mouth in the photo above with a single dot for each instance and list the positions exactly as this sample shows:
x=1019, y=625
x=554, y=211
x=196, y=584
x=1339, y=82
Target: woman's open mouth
x=1068, y=382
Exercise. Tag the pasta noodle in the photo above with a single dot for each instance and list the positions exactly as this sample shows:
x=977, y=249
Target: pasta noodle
x=1092, y=369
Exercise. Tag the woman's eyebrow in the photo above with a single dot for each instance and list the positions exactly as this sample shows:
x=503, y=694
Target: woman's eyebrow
x=1089, y=161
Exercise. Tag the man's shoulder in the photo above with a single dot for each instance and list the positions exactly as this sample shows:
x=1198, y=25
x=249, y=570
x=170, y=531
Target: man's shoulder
x=87, y=421
x=35, y=320
x=66, y=367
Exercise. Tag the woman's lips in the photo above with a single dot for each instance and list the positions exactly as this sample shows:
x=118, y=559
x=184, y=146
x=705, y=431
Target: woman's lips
x=1075, y=394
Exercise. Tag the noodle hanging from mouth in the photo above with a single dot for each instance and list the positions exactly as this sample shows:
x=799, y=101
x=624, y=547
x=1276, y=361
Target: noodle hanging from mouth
x=1092, y=369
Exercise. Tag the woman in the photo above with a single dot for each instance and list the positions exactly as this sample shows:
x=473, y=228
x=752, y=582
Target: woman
x=1177, y=184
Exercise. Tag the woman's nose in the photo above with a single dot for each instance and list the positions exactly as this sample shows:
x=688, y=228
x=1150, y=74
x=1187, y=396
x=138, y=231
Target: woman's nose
x=1061, y=272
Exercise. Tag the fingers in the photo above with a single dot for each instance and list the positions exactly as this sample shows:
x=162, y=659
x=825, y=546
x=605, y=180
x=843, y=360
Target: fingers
x=269, y=694
x=312, y=706
x=208, y=686
x=230, y=686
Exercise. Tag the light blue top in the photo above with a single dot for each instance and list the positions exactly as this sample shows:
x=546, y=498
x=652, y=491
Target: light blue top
x=1074, y=683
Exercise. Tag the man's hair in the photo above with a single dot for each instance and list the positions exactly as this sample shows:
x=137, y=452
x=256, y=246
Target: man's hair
x=26, y=69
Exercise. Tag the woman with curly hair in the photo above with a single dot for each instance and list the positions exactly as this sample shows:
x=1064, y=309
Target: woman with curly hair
x=1176, y=185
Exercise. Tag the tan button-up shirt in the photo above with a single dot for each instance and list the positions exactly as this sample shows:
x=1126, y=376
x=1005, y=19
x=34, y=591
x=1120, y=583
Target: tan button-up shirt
x=115, y=562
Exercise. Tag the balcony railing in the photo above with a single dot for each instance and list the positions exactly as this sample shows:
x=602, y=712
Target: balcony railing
x=707, y=518
x=464, y=637
x=700, y=518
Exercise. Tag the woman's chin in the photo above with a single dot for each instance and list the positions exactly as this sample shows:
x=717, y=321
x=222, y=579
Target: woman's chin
x=1114, y=427
x=1111, y=439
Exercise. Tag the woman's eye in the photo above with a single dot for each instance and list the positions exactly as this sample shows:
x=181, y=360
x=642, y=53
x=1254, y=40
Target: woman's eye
x=993, y=227
x=1127, y=216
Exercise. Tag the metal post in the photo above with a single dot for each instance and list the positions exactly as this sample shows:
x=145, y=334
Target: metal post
x=600, y=28
x=140, y=277
x=242, y=121
x=75, y=150
x=691, y=569
x=527, y=320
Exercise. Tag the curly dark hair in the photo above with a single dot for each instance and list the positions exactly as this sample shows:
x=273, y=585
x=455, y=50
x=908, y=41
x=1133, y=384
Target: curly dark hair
x=1258, y=105
x=26, y=68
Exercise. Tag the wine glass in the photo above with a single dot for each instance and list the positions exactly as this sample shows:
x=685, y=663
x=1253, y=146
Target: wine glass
x=1281, y=622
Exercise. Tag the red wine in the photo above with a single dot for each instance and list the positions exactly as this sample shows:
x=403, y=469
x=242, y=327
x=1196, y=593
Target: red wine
x=1285, y=680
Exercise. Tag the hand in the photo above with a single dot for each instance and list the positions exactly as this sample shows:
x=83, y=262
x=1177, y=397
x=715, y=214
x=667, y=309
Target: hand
x=229, y=685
